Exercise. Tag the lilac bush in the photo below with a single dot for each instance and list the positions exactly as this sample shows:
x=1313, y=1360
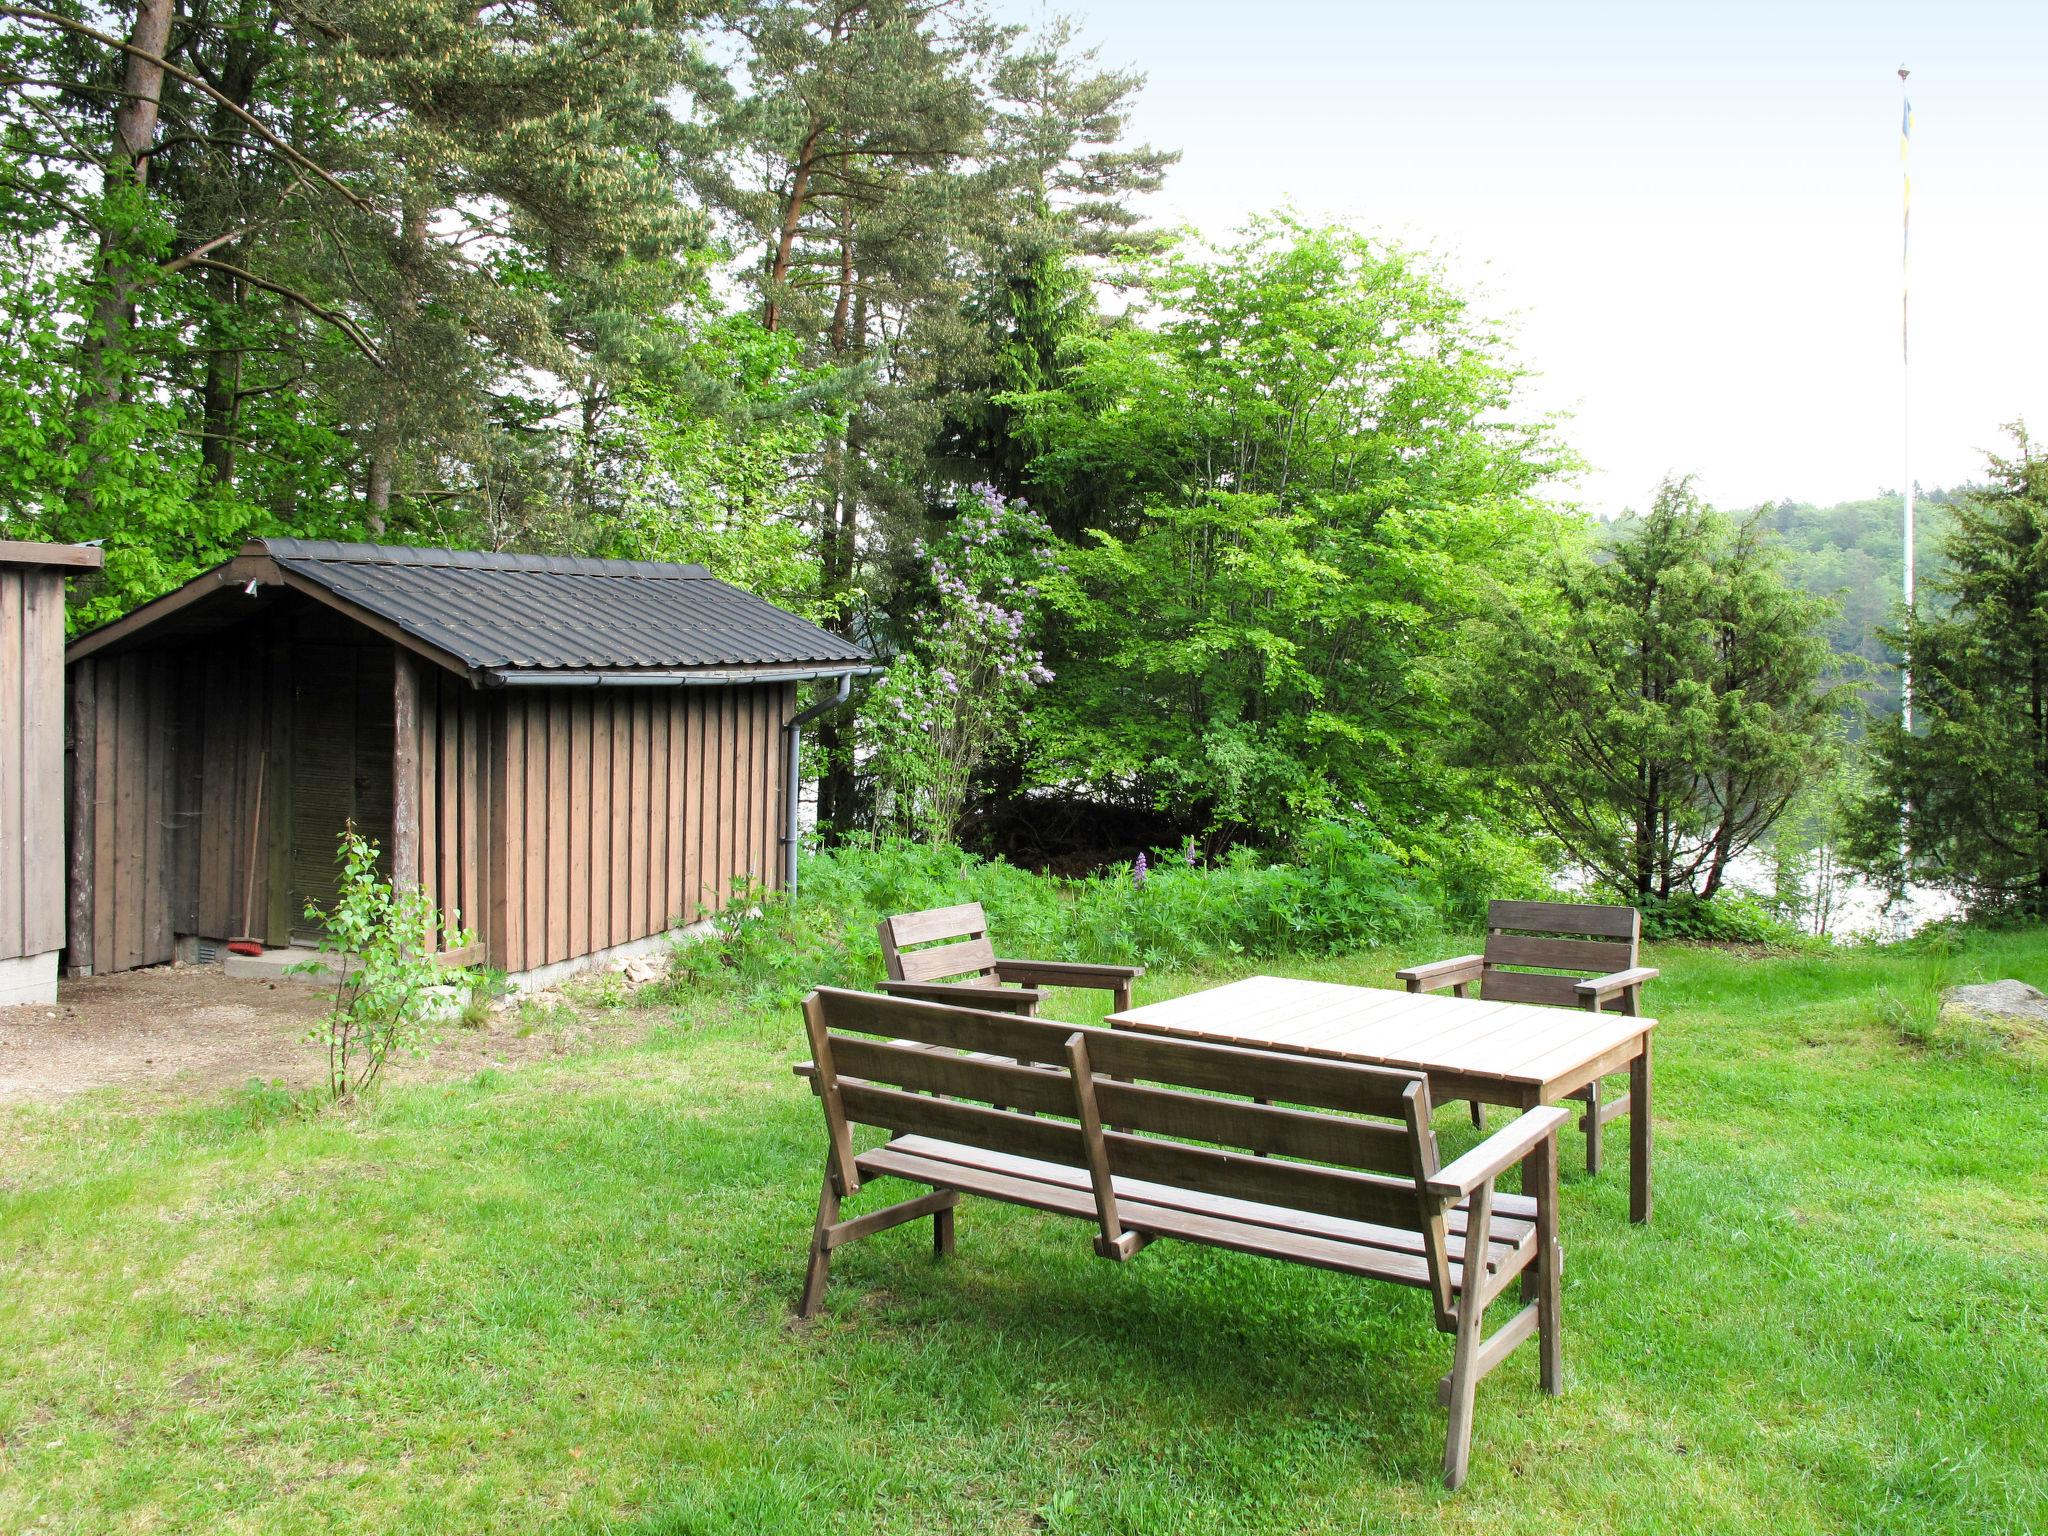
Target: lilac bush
x=969, y=664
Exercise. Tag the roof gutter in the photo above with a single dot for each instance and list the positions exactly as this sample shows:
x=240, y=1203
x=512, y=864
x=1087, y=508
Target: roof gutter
x=670, y=677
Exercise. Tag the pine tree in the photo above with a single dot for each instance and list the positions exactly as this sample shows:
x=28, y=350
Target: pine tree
x=357, y=255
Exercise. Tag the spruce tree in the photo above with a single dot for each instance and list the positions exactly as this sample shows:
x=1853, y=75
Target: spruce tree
x=1961, y=802
x=1660, y=708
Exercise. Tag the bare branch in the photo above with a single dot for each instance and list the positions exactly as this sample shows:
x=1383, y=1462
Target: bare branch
x=339, y=321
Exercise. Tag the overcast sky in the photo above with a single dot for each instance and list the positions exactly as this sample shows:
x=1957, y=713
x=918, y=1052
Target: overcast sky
x=1693, y=209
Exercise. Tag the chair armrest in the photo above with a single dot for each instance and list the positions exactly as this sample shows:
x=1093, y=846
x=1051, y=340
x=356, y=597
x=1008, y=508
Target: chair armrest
x=1067, y=973
x=1600, y=988
x=1439, y=974
x=967, y=994
x=1499, y=1152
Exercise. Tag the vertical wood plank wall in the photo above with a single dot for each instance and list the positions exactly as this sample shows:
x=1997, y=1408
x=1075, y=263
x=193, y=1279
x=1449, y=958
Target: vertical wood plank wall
x=127, y=796
x=448, y=764
x=620, y=812
x=31, y=760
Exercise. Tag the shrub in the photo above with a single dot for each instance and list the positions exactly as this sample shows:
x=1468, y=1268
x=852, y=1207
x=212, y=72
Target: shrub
x=388, y=987
x=1341, y=889
x=1723, y=919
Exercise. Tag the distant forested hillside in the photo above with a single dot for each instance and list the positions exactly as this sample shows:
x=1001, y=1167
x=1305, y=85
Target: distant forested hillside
x=1853, y=552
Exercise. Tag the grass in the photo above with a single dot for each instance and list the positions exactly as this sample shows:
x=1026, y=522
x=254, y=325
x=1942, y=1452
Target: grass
x=557, y=1299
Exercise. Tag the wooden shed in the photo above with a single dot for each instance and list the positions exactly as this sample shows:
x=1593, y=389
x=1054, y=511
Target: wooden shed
x=32, y=763
x=576, y=756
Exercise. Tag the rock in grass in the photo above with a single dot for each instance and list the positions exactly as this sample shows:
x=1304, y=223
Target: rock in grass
x=2014, y=1010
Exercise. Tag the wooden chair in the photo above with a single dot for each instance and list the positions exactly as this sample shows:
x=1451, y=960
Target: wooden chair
x=1149, y=1137
x=1528, y=943
x=956, y=956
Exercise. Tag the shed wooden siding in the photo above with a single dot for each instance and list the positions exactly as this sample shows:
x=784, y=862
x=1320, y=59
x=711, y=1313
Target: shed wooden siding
x=444, y=792
x=31, y=760
x=125, y=770
x=622, y=812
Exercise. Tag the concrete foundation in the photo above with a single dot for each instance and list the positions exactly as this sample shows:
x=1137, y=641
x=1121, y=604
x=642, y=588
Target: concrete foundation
x=276, y=965
x=26, y=979
x=544, y=976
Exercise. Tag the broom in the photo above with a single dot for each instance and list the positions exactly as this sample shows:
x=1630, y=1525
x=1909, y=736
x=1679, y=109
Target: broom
x=245, y=943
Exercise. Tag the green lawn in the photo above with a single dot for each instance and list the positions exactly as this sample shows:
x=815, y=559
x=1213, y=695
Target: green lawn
x=557, y=1299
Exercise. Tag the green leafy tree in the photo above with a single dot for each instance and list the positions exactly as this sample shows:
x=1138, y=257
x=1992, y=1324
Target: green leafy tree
x=1961, y=802
x=1658, y=707
x=1853, y=552
x=1295, y=471
x=701, y=456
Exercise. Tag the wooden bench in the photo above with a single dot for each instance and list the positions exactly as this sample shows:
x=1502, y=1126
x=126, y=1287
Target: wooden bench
x=939, y=954
x=1150, y=1137
x=1528, y=945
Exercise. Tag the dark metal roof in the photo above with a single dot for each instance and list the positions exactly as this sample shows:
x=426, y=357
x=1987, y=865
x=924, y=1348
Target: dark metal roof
x=558, y=612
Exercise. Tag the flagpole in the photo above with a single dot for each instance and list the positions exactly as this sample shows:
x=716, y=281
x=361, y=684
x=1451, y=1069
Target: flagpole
x=1906, y=372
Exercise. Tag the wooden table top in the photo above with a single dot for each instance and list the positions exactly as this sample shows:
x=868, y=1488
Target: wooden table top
x=1512, y=1043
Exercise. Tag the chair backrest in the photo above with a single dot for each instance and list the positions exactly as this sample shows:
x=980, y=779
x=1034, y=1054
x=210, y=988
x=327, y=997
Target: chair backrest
x=944, y=944
x=1547, y=937
x=1357, y=1139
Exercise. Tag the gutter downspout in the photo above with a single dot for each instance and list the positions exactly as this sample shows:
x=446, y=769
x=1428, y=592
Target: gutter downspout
x=792, y=780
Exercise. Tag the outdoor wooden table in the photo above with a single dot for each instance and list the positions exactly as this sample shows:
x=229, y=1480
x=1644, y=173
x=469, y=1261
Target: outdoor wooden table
x=1495, y=1053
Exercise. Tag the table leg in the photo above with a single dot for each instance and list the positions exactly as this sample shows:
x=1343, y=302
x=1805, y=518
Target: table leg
x=1639, y=1135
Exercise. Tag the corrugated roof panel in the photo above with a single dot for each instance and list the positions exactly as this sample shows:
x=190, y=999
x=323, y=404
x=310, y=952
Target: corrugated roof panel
x=553, y=612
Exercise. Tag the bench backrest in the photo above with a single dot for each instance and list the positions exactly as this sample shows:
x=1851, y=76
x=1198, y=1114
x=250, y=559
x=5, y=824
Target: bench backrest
x=944, y=944
x=1120, y=1104
x=1554, y=936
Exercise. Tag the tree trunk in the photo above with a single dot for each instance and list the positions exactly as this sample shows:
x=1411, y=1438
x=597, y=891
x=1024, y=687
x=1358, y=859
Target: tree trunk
x=220, y=400
x=102, y=367
x=377, y=491
x=388, y=432
x=220, y=389
x=792, y=220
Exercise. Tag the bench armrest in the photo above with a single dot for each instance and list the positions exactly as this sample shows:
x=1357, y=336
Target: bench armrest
x=1499, y=1152
x=1439, y=974
x=1600, y=988
x=967, y=994
x=1067, y=973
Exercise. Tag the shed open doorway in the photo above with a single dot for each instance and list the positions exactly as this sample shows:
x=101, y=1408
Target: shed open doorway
x=338, y=771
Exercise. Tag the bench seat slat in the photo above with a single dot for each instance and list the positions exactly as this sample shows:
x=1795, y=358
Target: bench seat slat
x=1166, y=1221
x=1354, y=1247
